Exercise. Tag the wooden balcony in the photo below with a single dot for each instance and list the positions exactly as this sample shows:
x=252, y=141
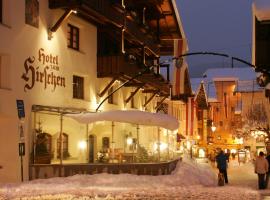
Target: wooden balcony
x=115, y=66
x=156, y=34
x=119, y=66
x=37, y=171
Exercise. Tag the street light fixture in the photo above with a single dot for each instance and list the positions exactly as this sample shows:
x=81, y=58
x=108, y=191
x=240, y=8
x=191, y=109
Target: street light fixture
x=213, y=128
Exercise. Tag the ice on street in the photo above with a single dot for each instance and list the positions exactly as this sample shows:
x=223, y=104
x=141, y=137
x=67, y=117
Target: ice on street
x=190, y=180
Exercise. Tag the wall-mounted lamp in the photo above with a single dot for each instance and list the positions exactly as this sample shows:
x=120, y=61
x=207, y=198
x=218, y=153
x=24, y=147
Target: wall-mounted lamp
x=129, y=139
x=82, y=145
x=59, y=22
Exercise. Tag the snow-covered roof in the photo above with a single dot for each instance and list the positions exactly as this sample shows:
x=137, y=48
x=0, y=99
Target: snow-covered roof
x=240, y=75
x=261, y=9
x=129, y=116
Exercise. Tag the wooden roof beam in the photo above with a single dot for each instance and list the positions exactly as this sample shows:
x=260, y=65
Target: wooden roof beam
x=132, y=94
x=160, y=103
x=150, y=99
x=107, y=87
x=134, y=84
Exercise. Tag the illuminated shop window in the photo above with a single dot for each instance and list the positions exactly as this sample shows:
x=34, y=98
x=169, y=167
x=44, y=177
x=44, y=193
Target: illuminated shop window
x=78, y=87
x=73, y=37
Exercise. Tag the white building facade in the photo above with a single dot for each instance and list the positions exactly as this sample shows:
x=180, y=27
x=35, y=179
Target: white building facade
x=53, y=77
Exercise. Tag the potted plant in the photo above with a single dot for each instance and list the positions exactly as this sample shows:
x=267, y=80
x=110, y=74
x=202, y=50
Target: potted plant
x=42, y=154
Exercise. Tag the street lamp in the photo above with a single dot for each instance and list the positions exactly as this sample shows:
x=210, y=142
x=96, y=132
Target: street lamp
x=213, y=128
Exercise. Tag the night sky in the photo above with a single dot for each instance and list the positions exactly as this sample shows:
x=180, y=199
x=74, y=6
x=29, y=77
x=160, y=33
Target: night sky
x=223, y=26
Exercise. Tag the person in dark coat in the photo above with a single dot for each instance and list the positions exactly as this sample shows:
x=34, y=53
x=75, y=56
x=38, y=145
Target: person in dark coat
x=221, y=160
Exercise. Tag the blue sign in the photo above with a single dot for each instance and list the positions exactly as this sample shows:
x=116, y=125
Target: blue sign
x=20, y=108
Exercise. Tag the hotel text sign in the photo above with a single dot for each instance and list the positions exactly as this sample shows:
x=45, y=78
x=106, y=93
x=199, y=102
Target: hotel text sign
x=42, y=70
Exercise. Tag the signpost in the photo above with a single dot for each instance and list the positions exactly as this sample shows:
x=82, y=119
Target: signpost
x=20, y=108
x=21, y=115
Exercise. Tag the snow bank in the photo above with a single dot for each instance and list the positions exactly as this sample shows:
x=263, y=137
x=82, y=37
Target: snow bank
x=188, y=181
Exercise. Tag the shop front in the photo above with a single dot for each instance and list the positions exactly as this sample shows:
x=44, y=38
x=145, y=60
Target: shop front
x=64, y=138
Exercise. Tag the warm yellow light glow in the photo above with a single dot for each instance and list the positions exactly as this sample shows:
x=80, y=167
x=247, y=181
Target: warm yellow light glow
x=188, y=145
x=239, y=140
x=162, y=146
x=129, y=140
x=233, y=151
x=198, y=137
x=201, y=153
x=213, y=128
x=82, y=145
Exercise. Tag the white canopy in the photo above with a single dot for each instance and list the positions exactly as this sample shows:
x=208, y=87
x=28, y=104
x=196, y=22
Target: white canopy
x=129, y=116
x=261, y=9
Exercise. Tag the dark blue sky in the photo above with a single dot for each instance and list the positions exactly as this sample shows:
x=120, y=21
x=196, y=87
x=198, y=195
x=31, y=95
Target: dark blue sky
x=223, y=26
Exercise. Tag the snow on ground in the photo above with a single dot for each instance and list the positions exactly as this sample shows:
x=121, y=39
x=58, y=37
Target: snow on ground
x=190, y=180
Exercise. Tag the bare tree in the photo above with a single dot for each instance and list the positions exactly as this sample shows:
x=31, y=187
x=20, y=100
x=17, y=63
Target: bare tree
x=255, y=120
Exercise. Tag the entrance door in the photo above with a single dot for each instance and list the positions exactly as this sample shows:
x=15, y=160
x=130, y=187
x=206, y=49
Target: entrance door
x=91, y=148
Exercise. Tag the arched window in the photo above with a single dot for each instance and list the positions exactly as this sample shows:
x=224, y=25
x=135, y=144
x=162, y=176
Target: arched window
x=65, y=146
x=105, y=143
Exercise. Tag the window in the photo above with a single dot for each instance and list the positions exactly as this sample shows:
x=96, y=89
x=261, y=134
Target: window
x=73, y=37
x=1, y=11
x=110, y=99
x=105, y=143
x=217, y=109
x=220, y=123
x=132, y=103
x=232, y=109
x=65, y=146
x=78, y=87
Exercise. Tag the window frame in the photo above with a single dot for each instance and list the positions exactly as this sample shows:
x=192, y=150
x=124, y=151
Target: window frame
x=78, y=87
x=64, y=144
x=73, y=31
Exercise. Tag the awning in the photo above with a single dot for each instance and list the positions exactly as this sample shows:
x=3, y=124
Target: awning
x=129, y=116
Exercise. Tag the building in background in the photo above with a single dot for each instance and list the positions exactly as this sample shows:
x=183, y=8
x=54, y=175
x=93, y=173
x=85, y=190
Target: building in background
x=201, y=118
x=231, y=92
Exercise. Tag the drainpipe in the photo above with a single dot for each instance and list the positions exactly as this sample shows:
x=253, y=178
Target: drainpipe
x=113, y=143
x=168, y=152
x=61, y=138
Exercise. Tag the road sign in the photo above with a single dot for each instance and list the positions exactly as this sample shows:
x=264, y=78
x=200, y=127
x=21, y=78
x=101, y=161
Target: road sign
x=20, y=108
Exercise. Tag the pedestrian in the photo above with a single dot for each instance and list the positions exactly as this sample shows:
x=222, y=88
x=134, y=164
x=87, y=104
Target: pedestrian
x=261, y=168
x=221, y=160
x=268, y=173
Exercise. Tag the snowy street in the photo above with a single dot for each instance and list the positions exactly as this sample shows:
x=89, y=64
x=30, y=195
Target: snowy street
x=190, y=180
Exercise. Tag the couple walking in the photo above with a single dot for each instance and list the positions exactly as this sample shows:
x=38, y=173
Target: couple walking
x=262, y=169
